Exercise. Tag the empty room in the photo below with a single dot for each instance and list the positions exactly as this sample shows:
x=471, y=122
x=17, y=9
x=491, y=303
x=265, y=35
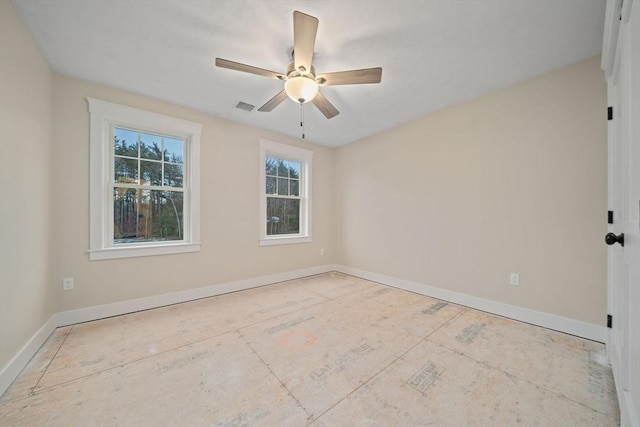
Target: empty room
x=319, y=213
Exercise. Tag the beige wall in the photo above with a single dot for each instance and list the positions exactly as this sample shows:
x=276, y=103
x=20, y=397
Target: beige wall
x=514, y=181
x=230, y=169
x=26, y=293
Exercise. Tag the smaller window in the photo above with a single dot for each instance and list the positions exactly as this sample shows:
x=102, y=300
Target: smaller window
x=285, y=201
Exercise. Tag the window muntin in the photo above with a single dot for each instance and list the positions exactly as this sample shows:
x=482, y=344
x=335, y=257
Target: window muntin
x=285, y=194
x=145, y=182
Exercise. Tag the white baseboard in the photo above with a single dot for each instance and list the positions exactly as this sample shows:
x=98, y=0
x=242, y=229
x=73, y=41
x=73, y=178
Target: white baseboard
x=11, y=371
x=538, y=318
x=123, y=307
x=16, y=365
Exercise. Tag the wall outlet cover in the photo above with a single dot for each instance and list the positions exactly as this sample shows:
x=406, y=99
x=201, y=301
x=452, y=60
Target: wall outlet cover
x=67, y=283
x=514, y=279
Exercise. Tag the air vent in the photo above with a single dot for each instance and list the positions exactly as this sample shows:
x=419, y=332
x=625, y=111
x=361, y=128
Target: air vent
x=244, y=106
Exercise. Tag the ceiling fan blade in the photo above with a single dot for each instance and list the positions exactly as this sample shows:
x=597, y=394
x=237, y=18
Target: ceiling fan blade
x=305, y=28
x=325, y=106
x=225, y=63
x=274, y=102
x=351, y=77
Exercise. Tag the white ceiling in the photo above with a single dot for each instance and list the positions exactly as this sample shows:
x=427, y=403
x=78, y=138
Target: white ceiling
x=434, y=53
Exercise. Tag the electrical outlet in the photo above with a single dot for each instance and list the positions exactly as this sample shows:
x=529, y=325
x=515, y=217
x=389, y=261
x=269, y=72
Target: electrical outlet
x=514, y=279
x=67, y=283
x=322, y=251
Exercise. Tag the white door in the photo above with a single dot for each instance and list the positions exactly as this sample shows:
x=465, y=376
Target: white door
x=622, y=67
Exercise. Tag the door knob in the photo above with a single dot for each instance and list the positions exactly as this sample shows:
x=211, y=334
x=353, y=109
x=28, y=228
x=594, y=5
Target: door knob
x=611, y=238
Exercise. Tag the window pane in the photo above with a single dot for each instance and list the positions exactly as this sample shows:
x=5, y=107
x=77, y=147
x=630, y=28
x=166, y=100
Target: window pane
x=150, y=173
x=173, y=150
x=283, y=168
x=271, y=185
x=125, y=142
x=283, y=216
x=283, y=186
x=294, y=187
x=125, y=170
x=125, y=214
x=147, y=215
x=168, y=216
x=294, y=169
x=173, y=175
x=271, y=166
x=150, y=146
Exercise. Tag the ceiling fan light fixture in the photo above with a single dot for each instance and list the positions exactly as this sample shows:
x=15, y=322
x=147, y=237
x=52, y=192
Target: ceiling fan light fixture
x=301, y=89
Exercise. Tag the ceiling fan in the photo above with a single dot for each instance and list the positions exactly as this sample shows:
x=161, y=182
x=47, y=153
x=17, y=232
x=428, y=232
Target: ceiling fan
x=301, y=83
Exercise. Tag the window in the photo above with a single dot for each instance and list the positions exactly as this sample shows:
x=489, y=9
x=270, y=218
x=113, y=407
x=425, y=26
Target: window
x=144, y=183
x=148, y=187
x=285, y=187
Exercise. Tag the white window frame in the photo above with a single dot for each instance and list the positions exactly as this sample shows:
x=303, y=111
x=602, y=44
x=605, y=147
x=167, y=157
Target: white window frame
x=104, y=116
x=305, y=157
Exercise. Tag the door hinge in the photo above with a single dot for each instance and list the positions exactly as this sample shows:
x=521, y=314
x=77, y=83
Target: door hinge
x=609, y=113
x=609, y=217
x=609, y=321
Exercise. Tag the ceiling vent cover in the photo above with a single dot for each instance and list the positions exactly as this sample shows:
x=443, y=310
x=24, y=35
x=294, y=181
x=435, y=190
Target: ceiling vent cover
x=244, y=106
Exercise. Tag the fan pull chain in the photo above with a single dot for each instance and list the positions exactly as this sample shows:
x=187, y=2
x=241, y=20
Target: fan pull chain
x=302, y=118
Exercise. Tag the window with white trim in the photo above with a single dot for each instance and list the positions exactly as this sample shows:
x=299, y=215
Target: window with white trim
x=145, y=185
x=285, y=194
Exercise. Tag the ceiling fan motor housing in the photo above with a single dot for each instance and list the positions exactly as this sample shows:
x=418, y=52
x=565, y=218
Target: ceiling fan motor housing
x=293, y=72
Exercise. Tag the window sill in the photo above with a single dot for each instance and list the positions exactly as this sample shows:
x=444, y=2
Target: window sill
x=138, y=251
x=271, y=241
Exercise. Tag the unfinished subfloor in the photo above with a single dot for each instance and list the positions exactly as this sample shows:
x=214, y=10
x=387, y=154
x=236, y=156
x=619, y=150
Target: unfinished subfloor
x=327, y=350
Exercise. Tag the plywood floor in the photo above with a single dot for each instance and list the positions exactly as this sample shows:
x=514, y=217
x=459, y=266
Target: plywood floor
x=328, y=350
